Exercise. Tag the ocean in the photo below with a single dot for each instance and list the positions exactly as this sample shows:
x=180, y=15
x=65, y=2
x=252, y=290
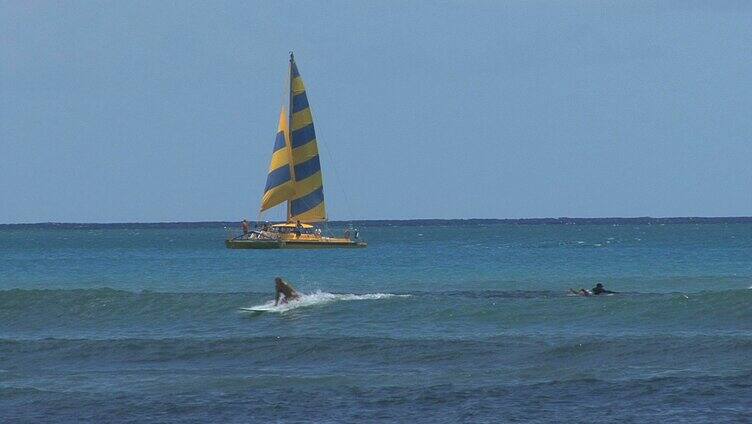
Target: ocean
x=436, y=321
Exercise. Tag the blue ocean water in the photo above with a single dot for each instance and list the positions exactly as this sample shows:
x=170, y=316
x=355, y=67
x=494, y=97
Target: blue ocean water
x=434, y=322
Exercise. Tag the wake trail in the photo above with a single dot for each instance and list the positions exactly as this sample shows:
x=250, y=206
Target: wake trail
x=318, y=298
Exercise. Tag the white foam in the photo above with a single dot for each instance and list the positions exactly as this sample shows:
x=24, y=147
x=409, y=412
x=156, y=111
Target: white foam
x=319, y=298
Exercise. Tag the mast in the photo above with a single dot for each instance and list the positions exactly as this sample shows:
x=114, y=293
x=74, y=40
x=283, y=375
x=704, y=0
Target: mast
x=289, y=131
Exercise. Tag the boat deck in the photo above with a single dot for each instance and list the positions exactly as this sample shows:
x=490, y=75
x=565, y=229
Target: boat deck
x=318, y=243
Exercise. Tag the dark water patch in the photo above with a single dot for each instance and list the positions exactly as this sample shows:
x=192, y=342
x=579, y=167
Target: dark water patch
x=31, y=310
x=692, y=400
x=517, y=358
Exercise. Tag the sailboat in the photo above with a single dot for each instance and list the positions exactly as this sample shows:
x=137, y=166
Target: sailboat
x=295, y=177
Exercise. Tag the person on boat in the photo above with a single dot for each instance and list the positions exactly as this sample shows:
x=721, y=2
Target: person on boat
x=246, y=227
x=599, y=289
x=580, y=292
x=283, y=288
x=298, y=229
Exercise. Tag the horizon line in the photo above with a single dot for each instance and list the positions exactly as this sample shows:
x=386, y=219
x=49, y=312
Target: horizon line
x=545, y=220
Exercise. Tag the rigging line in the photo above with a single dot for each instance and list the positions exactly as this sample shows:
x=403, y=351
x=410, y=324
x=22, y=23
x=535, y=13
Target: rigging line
x=337, y=181
x=330, y=158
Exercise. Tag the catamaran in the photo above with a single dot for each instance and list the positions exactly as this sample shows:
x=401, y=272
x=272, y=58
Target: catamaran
x=295, y=178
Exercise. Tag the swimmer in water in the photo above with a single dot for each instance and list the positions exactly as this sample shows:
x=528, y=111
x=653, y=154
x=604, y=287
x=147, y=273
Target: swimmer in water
x=599, y=289
x=283, y=288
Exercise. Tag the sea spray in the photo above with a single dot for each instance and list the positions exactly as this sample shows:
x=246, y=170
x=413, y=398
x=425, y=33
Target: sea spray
x=317, y=298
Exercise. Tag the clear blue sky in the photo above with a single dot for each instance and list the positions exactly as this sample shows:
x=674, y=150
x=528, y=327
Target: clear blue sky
x=166, y=111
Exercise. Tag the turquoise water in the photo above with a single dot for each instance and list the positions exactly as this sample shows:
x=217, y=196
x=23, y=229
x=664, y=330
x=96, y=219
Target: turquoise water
x=431, y=323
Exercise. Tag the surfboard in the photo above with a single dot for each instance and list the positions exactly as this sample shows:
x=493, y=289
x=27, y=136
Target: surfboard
x=259, y=308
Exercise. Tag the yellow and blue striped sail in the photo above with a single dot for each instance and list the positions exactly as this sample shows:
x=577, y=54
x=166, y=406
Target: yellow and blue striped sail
x=307, y=205
x=279, y=183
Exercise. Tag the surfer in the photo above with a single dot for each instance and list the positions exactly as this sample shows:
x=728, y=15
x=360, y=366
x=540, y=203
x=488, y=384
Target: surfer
x=283, y=288
x=599, y=289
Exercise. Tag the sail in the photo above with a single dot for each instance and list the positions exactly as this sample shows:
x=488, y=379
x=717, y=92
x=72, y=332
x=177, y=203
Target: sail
x=307, y=205
x=279, y=182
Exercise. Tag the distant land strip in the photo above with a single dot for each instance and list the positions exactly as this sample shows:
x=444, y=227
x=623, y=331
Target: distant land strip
x=405, y=222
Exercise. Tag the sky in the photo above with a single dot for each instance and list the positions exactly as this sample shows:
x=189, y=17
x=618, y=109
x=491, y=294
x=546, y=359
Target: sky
x=145, y=111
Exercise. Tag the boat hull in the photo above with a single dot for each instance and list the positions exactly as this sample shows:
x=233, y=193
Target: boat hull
x=292, y=244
